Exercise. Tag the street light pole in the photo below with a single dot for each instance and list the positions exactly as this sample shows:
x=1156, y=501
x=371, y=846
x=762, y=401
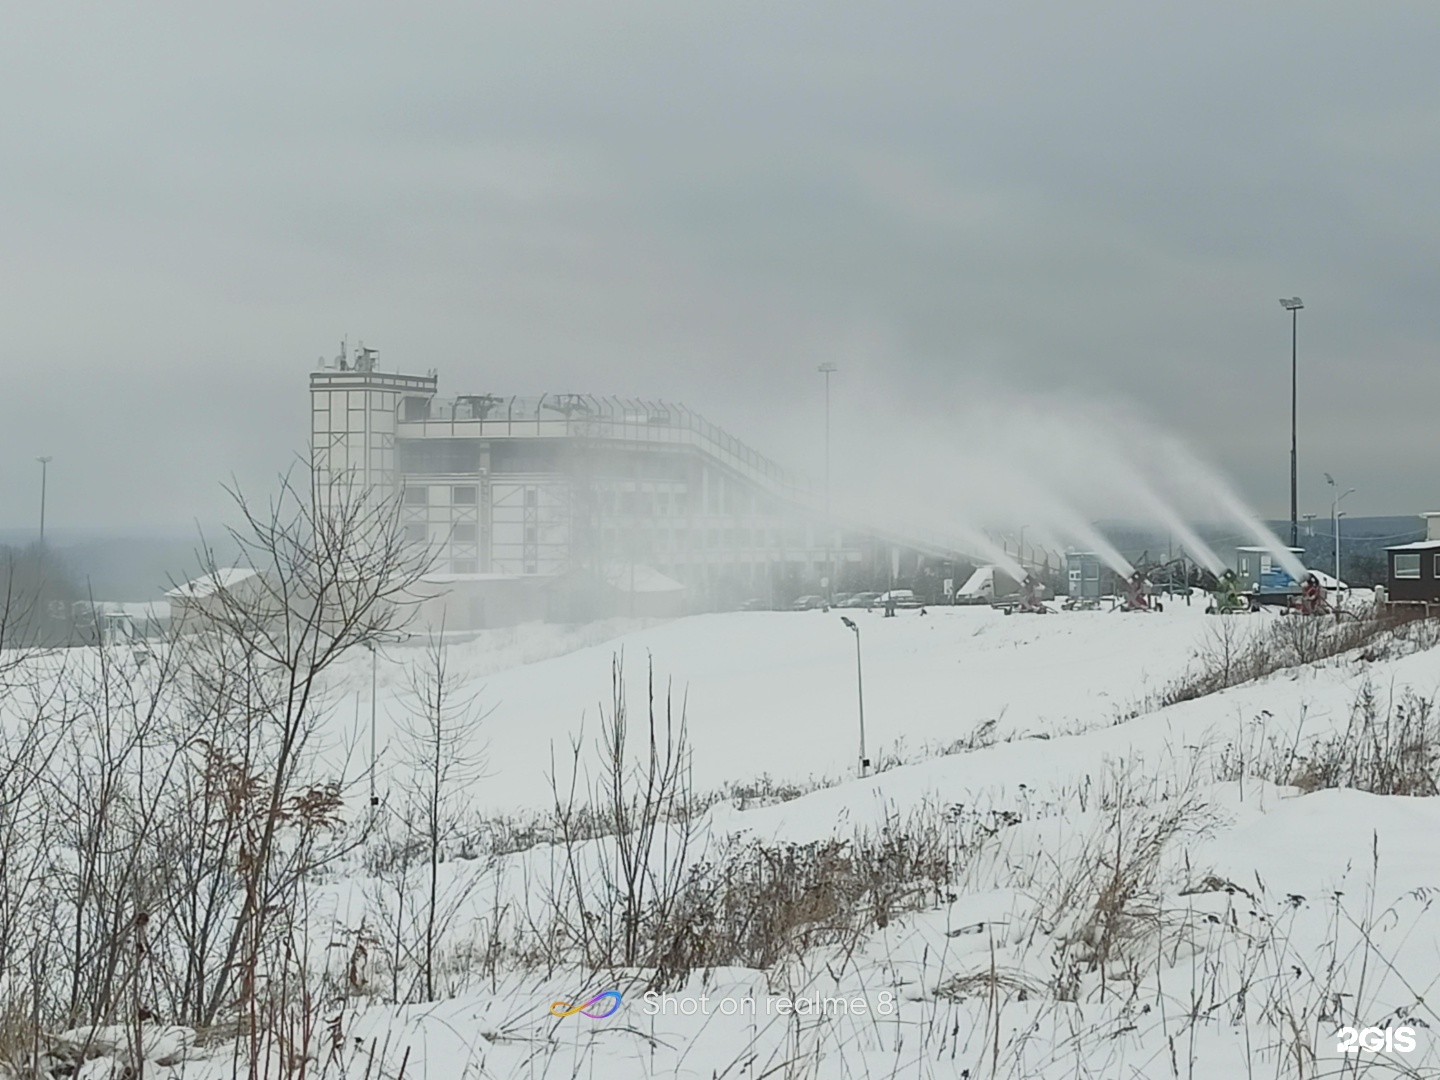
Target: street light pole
x=1293, y=305
x=827, y=369
x=1335, y=516
x=860, y=692
x=1335, y=539
x=44, y=470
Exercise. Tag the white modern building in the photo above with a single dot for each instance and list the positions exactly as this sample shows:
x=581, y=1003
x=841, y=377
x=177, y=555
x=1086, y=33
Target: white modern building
x=564, y=497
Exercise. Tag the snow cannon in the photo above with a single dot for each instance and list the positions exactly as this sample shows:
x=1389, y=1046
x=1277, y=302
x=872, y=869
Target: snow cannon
x=1227, y=598
x=1030, y=600
x=1137, y=594
x=1312, y=599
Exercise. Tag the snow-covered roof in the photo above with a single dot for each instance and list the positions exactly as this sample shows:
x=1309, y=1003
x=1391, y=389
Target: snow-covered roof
x=209, y=584
x=640, y=579
x=1418, y=545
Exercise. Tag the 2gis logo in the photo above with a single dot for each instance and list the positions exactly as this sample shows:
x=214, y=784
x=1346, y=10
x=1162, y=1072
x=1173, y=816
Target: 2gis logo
x=1372, y=1040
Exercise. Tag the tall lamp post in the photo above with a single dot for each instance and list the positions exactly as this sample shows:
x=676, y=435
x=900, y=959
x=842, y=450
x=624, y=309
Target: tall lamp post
x=1293, y=305
x=827, y=369
x=44, y=470
x=859, y=692
x=1335, y=516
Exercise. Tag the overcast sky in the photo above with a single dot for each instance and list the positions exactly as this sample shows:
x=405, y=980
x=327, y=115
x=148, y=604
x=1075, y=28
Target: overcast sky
x=1087, y=202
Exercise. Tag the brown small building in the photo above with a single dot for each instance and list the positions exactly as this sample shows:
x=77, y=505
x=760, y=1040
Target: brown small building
x=1414, y=573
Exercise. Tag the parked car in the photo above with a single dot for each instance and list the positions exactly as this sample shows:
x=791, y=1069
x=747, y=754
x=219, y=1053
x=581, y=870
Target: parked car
x=860, y=600
x=755, y=603
x=838, y=599
x=808, y=603
x=904, y=598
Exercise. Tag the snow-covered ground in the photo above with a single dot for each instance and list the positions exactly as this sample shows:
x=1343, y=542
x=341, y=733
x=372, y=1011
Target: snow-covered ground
x=1128, y=893
x=1269, y=919
x=775, y=692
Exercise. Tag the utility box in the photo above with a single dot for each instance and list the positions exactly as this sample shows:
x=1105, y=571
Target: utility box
x=1260, y=574
x=1083, y=569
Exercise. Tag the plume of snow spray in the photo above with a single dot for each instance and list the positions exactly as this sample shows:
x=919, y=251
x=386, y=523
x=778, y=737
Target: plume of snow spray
x=1219, y=492
x=1171, y=519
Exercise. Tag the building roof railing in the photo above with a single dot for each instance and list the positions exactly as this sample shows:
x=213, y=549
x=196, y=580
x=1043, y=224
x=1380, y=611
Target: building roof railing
x=587, y=416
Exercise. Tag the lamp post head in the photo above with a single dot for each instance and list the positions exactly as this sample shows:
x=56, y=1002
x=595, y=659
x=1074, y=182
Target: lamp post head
x=1294, y=303
x=1329, y=479
x=827, y=368
x=850, y=623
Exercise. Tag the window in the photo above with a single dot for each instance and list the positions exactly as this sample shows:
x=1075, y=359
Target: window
x=524, y=456
x=465, y=533
x=463, y=566
x=417, y=496
x=437, y=455
x=463, y=496
x=532, y=496
x=529, y=534
x=1436, y=574
x=415, y=532
x=627, y=502
x=1407, y=566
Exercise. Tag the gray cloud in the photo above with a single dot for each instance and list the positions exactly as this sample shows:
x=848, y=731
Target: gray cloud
x=703, y=202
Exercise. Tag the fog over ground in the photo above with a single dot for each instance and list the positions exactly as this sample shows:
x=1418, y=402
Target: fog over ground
x=961, y=205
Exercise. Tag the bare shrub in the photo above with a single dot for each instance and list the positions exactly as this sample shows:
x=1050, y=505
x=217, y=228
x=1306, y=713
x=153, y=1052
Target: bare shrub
x=765, y=790
x=1107, y=906
x=1235, y=652
x=626, y=834
x=1388, y=747
x=444, y=759
x=758, y=904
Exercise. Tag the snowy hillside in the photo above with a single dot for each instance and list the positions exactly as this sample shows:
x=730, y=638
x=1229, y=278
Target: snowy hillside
x=775, y=692
x=1126, y=891
x=1053, y=873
